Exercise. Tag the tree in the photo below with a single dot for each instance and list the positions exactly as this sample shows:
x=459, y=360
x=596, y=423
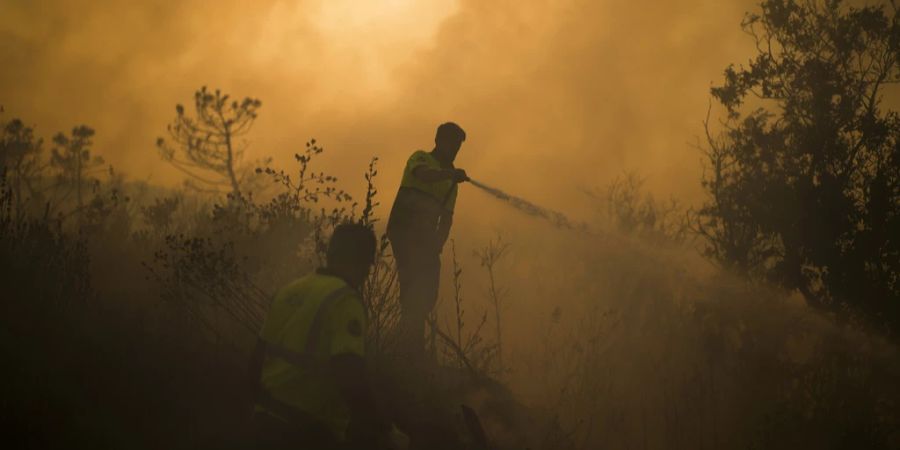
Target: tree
x=204, y=147
x=20, y=153
x=72, y=157
x=803, y=189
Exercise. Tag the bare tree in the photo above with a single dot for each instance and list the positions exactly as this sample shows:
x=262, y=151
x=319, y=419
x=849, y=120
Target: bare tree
x=204, y=146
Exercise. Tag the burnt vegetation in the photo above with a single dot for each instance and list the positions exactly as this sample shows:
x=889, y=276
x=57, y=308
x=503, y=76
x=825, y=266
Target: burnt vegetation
x=130, y=309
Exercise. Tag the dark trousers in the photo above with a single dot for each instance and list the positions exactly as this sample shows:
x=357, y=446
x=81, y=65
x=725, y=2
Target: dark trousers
x=419, y=273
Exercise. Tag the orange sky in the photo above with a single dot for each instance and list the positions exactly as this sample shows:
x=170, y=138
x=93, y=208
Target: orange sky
x=555, y=94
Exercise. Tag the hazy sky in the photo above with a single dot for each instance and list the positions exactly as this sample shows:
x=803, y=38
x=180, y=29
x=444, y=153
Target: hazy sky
x=554, y=94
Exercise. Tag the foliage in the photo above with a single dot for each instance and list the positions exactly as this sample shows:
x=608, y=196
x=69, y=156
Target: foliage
x=489, y=256
x=630, y=347
x=164, y=285
x=20, y=152
x=41, y=266
x=632, y=210
x=804, y=190
x=465, y=348
x=160, y=214
x=299, y=192
x=381, y=291
x=71, y=156
x=231, y=264
x=206, y=277
x=206, y=147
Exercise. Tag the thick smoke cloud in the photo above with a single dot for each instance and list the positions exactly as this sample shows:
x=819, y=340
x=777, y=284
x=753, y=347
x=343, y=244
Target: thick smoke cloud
x=561, y=94
x=555, y=95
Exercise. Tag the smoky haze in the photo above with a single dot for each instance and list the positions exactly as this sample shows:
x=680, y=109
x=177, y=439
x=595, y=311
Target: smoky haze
x=555, y=95
x=614, y=336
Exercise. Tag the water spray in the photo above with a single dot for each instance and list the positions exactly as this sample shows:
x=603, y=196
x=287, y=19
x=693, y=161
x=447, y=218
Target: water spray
x=558, y=219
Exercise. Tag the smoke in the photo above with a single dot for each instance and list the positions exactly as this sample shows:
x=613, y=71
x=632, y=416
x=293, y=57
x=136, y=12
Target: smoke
x=575, y=87
x=555, y=95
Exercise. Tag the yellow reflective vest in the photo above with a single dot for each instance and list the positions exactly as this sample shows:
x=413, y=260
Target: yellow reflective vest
x=443, y=192
x=421, y=208
x=310, y=320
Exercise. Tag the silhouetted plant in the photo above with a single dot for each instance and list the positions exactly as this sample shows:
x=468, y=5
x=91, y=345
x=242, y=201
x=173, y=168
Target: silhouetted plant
x=205, y=277
x=381, y=298
x=206, y=147
x=632, y=210
x=246, y=250
x=40, y=265
x=107, y=211
x=301, y=192
x=465, y=349
x=489, y=256
x=159, y=215
x=366, y=217
x=380, y=292
x=20, y=160
x=71, y=156
x=804, y=190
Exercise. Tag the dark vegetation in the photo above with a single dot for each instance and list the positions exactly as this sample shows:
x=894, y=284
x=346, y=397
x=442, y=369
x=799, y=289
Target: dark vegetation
x=129, y=310
x=804, y=181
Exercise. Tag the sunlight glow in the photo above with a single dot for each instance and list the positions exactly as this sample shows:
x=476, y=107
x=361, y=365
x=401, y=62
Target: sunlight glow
x=359, y=41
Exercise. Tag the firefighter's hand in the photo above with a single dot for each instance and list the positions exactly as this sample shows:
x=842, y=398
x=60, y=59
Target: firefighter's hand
x=460, y=176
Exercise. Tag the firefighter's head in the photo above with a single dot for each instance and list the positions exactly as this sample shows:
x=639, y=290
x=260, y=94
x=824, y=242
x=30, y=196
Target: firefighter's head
x=351, y=252
x=448, y=140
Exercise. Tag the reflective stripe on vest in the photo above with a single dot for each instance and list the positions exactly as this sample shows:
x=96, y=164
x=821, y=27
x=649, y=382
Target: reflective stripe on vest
x=308, y=357
x=295, y=358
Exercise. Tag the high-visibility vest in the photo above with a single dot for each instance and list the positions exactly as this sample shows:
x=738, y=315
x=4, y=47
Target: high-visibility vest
x=443, y=192
x=310, y=320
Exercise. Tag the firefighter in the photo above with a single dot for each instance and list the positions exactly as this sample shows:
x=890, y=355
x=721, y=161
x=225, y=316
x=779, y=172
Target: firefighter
x=313, y=391
x=418, y=227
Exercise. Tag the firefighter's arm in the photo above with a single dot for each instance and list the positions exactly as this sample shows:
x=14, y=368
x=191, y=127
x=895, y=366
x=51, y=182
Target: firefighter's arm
x=348, y=367
x=431, y=175
x=349, y=372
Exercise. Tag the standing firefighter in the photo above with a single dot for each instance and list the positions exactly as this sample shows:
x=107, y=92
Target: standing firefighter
x=313, y=391
x=418, y=228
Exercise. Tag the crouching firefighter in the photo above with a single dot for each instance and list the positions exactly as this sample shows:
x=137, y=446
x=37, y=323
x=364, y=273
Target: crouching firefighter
x=312, y=387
